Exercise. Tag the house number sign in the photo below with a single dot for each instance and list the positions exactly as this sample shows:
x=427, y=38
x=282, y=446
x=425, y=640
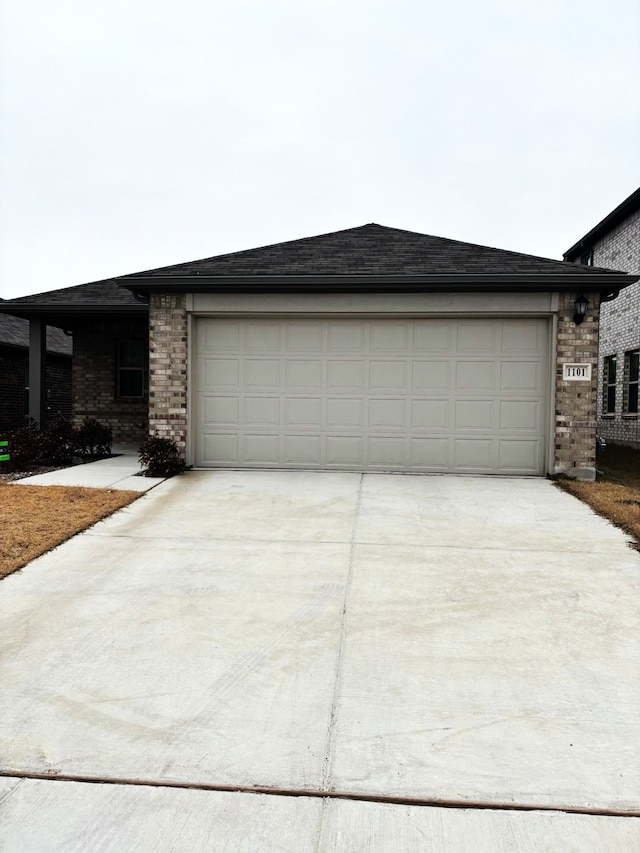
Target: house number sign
x=576, y=372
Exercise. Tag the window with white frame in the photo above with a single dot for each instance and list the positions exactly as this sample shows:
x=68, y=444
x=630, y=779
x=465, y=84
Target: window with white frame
x=631, y=373
x=609, y=385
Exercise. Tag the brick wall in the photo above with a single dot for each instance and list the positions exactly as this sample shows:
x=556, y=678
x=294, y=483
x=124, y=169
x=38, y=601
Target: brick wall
x=94, y=379
x=58, y=377
x=13, y=381
x=14, y=373
x=168, y=367
x=576, y=410
x=620, y=325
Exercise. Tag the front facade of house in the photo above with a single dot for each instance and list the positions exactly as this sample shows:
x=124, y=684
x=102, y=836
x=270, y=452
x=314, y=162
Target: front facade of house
x=615, y=243
x=370, y=349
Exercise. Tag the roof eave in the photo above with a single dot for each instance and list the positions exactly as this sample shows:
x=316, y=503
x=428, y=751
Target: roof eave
x=29, y=310
x=589, y=280
x=611, y=220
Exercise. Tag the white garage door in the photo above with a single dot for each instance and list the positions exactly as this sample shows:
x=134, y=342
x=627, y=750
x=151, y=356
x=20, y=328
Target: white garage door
x=430, y=395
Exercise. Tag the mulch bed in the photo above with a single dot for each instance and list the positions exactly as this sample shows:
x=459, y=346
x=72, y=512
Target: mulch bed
x=12, y=476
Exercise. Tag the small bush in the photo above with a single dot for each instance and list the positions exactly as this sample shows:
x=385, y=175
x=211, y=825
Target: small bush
x=161, y=457
x=25, y=447
x=57, y=443
x=93, y=439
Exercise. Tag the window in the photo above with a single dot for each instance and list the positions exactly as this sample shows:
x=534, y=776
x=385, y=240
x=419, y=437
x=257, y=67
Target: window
x=609, y=386
x=586, y=259
x=631, y=373
x=130, y=369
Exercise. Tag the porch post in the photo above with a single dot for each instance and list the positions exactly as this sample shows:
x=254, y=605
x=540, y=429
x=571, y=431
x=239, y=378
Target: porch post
x=37, y=377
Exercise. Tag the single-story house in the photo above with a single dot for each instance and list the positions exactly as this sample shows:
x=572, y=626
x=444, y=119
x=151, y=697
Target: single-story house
x=615, y=243
x=14, y=373
x=368, y=349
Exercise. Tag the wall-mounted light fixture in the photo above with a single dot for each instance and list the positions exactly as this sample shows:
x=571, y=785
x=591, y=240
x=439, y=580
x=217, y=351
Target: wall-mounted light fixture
x=582, y=304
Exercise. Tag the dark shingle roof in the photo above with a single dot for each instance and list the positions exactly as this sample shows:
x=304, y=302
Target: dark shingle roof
x=98, y=294
x=629, y=206
x=365, y=259
x=66, y=306
x=14, y=332
x=370, y=250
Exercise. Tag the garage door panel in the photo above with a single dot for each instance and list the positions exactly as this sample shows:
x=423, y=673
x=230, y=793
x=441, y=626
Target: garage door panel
x=261, y=374
x=304, y=374
x=433, y=336
x=303, y=411
x=430, y=415
x=519, y=456
x=474, y=415
x=390, y=376
x=345, y=412
x=263, y=337
x=219, y=373
x=302, y=450
x=476, y=376
x=220, y=336
x=431, y=375
x=389, y=337
x=437, y=395
x=385, y=414
x=220, y=449
x=519, y=376
x=261, y=450
x=345, y=375
x=431, y=454
x=523, y=415
x=221, y=411
x=473, y=455
x=345, y=450
x=262, y=412
x=346, y=337
x=387, y=453
x=476, y=337
x=521, y=338
x=303, y=338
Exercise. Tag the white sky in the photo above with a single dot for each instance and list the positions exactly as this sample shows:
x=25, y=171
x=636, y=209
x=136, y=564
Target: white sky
x=139, y=133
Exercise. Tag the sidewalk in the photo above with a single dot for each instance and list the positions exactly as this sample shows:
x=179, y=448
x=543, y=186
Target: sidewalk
x=117, y=472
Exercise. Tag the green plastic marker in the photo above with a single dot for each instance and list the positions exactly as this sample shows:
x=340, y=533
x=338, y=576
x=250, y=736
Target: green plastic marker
x=4, y=454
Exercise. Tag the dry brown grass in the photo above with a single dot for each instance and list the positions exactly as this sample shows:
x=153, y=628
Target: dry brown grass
x=616, y=494
x=34, y=519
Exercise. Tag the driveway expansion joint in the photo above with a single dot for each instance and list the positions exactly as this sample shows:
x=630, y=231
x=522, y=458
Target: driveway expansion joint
x=324, y=794
x=331, y=733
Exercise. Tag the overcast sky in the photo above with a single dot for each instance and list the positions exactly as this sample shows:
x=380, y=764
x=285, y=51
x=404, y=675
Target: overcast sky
x=139, y=133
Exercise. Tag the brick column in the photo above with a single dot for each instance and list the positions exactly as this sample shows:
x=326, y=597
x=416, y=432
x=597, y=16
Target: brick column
x=168, y=367
x=575, y=414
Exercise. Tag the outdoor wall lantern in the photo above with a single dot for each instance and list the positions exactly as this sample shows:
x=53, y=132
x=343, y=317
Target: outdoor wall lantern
x=581, y=309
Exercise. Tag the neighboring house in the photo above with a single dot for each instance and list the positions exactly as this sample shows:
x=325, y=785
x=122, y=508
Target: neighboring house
x=369, y=349
x=615, y=243
x=14, y=372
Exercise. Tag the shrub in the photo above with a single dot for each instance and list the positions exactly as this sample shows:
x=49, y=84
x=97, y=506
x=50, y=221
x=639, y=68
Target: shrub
x=25, y=445
x=161, y=457
x=57, y=443
x=93, y=439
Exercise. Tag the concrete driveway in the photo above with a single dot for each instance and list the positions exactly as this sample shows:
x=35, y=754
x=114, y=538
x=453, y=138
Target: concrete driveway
x=395, y=643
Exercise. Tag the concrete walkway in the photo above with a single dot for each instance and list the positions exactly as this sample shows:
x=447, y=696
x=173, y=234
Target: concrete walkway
x=473, y=641
x=118, y=472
